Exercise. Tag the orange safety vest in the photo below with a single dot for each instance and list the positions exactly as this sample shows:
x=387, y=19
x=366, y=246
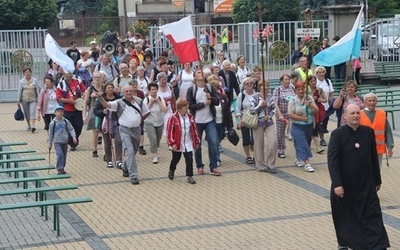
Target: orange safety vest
x=378, y=125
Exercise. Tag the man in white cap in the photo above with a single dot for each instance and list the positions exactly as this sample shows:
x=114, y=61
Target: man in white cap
x=94, y=52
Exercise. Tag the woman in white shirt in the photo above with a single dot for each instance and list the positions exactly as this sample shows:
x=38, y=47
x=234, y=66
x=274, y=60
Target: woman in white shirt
x=142, y=80
x=326, y=85
x=242, y=70
x=165, y=92
x=185, y=80
x=154, y=123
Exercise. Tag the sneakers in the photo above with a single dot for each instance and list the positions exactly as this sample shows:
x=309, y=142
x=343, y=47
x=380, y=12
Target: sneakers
x=220, y=148
x=72, y=148
x=281, y=155
x=29, y=129
x=119, y=164
x=289, y=137
x=200, y=171
x=142, y=151
x=155, y=159
x=135, y=181
x=320, y=150
x=249, y=160
x=299, y=164
x=308, y=168
x=125, y=173
x=95, y=155
x=190, y=180
x=215, y=172
x=61, y=171
x=110, y=164
x=219, y=163
x=323, y=143
x=33, y=129
x=99, y=140
x=271, y=170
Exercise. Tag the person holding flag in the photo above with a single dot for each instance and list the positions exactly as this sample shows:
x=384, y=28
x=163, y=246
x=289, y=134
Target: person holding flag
x=345, y=49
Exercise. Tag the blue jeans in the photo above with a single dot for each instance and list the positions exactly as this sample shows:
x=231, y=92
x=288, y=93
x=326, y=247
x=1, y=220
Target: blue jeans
x=61, y=152
x=212, y=139
x=301, y=134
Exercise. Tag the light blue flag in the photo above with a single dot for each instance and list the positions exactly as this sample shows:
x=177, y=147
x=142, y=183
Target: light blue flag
x=348, y=46
x=54, y=51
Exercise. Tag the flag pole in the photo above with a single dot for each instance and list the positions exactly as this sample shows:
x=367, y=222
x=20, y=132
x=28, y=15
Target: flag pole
x=348, y=69
x=260, y=12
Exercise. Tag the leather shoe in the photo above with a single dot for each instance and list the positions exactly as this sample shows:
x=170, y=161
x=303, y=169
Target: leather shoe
x=125, y=173
x=171, y=174
x=142, y=151
x=135, y=181
x=191, y=180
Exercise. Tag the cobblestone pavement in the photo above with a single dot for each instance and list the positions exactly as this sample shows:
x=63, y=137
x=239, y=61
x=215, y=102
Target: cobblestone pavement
x=242, y=209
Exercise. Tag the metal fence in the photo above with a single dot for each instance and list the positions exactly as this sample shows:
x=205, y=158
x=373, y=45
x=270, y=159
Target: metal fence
x=246, y=43
x=19, y=49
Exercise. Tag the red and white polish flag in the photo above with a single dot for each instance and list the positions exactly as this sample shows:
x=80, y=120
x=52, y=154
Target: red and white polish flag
x=180, y=34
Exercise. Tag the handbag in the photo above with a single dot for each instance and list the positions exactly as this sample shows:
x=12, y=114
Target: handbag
x=19, y=115
x=250, y=120
x=233, y=137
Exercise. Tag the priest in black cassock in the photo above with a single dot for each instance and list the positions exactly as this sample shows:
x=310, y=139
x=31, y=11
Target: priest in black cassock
x=355, y=174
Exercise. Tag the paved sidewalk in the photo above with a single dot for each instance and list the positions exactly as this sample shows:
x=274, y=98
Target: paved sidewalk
x=242, y=209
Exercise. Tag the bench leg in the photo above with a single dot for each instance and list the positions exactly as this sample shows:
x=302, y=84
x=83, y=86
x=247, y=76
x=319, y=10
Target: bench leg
x=46, y=207
x=16, y=173
x=57, y=219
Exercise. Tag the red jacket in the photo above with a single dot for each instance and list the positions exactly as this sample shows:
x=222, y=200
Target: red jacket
x=174, y=129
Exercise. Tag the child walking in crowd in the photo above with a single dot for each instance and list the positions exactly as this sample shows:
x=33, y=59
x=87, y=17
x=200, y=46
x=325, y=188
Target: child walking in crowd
x=59, y=131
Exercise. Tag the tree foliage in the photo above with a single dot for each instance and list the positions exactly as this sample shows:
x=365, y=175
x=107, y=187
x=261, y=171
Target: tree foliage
x=71, y=8
x=283, y=10
x=384, y=8
x=21, y=14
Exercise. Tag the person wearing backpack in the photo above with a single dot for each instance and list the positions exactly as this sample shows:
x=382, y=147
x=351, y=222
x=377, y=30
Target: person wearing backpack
x=131, y=112
x=154, y=123
x=88, y=115
x=123, y=79
x=60, y=130
x=107, y=66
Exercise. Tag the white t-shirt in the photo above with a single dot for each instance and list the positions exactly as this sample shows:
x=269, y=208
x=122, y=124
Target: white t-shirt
x=186, y=138
x=130, y=118
x=186, y=82
x=51, y=101
x=202, y=115
x=156, y=115
x=142, y=84
x=327, y=87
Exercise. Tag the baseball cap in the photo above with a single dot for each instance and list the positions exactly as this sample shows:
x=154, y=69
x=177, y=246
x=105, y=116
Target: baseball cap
x=58, y=106
x=93, y=42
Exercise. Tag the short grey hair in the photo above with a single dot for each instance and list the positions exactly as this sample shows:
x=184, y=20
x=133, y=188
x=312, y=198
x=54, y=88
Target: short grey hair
x=225, y=62
x=370, y=95
x=161, y=75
